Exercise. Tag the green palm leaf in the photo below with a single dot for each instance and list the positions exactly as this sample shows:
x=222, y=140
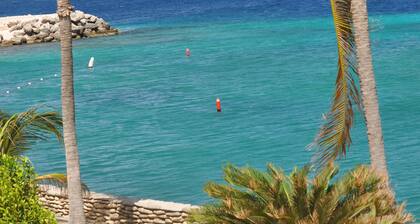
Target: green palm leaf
x=19, y=130
x=334, y=137
x=360, y=196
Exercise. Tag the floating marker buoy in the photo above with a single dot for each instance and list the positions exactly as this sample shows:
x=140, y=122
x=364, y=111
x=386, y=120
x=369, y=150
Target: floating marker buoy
x=7, y=91
x=18, y=87
x=91, y=62
x=55, y=75
x=29, y=83
x=218, y=106
x=187, y=52
x=42, y=79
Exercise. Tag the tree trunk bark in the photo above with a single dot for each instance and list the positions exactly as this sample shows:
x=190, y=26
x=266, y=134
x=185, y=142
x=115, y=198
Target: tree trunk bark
x=368, y=87
x=77, y=215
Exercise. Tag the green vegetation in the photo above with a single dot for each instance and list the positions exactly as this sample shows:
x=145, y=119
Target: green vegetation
x=18, y=193
x=252, y=196
x=18, y=131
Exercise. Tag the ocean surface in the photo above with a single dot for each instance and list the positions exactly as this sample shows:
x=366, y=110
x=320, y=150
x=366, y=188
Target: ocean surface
x=146, y=120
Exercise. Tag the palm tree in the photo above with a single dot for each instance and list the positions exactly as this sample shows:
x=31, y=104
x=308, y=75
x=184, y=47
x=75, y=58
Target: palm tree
x=252, y=196
x=354, y=61
x=19, y=131
x=368, y=87
x=76, y=212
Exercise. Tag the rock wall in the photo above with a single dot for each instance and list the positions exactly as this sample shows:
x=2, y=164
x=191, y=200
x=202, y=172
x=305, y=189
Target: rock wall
x=101, y=208
x=45, y=28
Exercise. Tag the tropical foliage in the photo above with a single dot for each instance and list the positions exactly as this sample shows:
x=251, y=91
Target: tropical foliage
x=252, y=196
x=18, y=193
x=19, y=131
x=334, y=137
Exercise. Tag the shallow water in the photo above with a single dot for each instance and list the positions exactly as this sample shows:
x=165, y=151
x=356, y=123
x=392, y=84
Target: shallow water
x=146, y=119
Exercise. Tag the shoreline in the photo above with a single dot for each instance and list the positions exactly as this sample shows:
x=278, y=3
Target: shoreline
x=29, y=29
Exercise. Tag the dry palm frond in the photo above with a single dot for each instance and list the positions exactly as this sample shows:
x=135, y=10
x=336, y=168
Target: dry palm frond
x=19, y=130
x=334, y=138
x=57, y=180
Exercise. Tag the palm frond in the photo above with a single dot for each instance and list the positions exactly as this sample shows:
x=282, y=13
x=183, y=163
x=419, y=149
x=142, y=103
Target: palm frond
x=358, y=197
x=19, y=130
x=56, y=180
x=334, y=138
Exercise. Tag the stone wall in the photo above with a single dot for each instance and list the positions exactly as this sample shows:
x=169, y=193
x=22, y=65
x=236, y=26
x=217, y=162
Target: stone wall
x=101, y=208
x=45, y=28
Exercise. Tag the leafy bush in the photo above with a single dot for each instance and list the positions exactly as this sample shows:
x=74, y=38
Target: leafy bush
x=252, y=196
x=18, y=193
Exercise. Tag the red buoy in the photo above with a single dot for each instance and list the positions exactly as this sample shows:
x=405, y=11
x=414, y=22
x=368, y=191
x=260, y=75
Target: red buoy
x=218, y=105
x=187, y=52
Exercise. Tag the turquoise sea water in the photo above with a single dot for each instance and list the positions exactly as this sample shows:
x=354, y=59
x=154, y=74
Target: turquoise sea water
x=147, y=126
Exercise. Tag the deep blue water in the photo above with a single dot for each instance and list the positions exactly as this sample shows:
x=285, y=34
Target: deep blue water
x=147, y=126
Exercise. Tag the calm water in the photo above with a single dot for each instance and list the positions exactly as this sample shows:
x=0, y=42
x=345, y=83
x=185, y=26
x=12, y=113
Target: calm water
x=147, y=125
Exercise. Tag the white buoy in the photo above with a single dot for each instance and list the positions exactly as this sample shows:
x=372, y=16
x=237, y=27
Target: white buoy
x=7, y=91
x=29, y=83
x=55, y=75
x=18, y=87
x=42, y=79
x=91, y=62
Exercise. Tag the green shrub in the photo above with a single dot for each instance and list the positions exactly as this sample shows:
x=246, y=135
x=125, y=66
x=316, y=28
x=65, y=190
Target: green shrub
x=255, y=197
x=19, y=201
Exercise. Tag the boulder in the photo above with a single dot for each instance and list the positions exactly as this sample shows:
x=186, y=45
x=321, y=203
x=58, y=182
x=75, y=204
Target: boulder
x=45, y=26
x=56, y=35
x=18, y=26
x=93, y=19
x=49, y=39
x=36, y=30
x=91, y=26
x=43, y=35
x=17, y=40
x=54, y=28
x=77, y=29
x=47, y=19
x=30, y=39
x=32, y=21
x=12, y=23
x=28, y=28
x=77, y=16
x=18, y=33
x=87, y=16
x=83, y=21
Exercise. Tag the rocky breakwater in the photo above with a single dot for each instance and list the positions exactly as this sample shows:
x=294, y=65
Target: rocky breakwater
x=17, y=30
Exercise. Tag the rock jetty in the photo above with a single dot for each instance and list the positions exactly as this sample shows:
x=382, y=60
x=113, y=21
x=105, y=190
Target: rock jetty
x=17, y=30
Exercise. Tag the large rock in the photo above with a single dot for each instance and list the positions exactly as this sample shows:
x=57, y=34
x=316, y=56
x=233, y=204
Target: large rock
x=77, y=16
x=54, y=28
x=12, y=23
x=18, y=33
x=77, y=29
x=28, y=28
x=18, y=26
x=17, y=40
x=93, y=19
x=43, y=35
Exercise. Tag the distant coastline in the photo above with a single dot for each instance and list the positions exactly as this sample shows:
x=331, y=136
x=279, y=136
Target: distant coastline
x=29, y=29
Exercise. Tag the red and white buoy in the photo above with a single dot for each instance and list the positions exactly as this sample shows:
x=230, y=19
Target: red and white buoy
x=218, y=105
x=187, y=52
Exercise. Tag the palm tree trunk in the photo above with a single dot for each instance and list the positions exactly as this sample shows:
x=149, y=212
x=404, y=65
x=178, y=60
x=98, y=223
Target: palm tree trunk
x=77, y=215
x=368, y=87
